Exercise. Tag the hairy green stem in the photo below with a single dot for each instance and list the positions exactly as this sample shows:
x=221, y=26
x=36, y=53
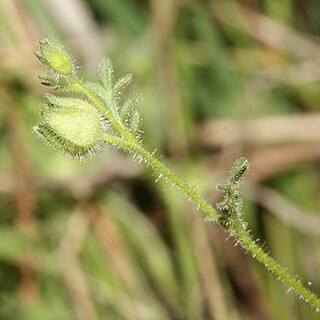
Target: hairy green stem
x=270, y=264
x=236, y=229
x=166, y=173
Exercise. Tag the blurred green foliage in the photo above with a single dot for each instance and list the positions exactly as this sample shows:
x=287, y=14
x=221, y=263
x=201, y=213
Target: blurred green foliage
x=100, y=240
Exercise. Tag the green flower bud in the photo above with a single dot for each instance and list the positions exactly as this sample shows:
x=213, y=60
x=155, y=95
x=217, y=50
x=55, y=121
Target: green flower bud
x=238, y=169
x=72, y=126
x=53, y=56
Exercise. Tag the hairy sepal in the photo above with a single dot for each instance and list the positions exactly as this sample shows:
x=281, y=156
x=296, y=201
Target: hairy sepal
x=71, y=126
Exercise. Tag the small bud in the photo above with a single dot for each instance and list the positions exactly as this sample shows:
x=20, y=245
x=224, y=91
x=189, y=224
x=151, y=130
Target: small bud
x=70, y=125
x=238, y=169
x=53, y=56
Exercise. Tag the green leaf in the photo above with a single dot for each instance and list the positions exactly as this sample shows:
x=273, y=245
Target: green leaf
x=129, y=105
x=106, y=73
x=123, y=82
x=135, y=122
x=100, y=91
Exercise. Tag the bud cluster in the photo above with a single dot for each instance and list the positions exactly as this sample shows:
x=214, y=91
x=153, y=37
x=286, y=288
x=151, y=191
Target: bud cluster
x=76, y=126
x=231, y=204
x=72, y=126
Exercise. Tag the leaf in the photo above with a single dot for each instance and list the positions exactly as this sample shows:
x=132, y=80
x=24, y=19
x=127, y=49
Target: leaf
x=100, y=91
x=106, y=73
x=129, y=105
x=123, y=82
x=135, y=122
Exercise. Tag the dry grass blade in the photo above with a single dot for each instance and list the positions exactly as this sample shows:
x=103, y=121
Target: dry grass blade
x=285, y=210
x=71, y=271
x=266, y=30
x=261, y=131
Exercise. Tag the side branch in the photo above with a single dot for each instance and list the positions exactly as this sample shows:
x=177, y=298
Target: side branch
x=232, y=226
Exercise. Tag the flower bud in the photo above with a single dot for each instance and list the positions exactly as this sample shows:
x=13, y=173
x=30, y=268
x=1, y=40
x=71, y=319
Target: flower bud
x=70, y=125
x=53, y=56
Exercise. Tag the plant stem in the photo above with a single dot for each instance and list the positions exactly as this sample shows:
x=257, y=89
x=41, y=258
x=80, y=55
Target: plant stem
x=270, y=264
x=235, y=228
x=165, y=173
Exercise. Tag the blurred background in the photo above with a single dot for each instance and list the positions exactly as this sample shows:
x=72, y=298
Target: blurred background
x=100, y=239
